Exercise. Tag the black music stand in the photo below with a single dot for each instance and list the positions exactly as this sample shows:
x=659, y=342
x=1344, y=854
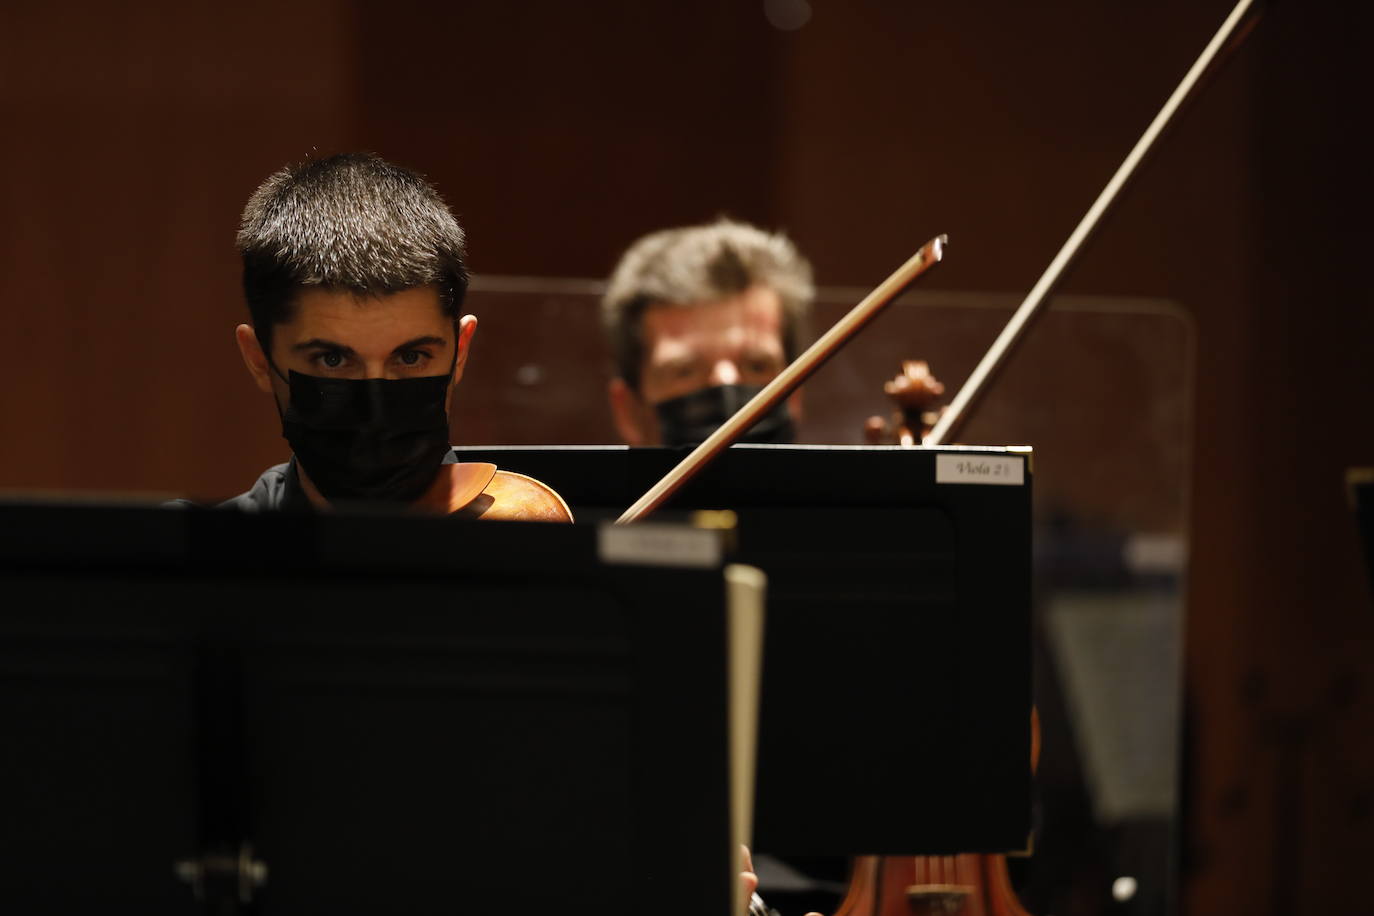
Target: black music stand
x=895, y=714
x=373, y=714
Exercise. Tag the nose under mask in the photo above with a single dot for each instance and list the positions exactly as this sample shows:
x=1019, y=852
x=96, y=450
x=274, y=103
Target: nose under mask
x=691, y=418
x=368, y=439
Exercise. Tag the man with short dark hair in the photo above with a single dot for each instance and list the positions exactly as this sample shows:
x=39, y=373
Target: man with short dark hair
x=354, y=276
x=698, y=320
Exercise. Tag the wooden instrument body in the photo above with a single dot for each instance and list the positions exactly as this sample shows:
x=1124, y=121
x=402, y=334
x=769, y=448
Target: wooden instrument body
x=959, y=885
x=479, y=490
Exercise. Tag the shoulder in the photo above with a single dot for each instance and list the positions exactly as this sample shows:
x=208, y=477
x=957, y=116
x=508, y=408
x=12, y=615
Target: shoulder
x=266, y=494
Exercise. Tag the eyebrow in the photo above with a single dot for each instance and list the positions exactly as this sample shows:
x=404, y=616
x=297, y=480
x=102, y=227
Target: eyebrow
x=319, y=343
x=685, y=361
x=427, y=341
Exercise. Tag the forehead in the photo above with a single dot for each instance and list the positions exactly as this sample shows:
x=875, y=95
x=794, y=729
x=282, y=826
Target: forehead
x=365, y=322
x=754, y=316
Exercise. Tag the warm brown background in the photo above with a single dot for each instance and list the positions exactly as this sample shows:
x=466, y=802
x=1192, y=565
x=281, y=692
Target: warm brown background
x=559, y=131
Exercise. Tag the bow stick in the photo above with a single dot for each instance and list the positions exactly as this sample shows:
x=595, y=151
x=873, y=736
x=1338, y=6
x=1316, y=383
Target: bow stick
x=1031, y=307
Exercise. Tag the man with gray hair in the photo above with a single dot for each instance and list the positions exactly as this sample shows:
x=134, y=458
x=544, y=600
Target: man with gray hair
x=698, y=320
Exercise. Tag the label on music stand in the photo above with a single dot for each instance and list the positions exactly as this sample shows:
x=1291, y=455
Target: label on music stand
x=650, y=544
x=996, y=470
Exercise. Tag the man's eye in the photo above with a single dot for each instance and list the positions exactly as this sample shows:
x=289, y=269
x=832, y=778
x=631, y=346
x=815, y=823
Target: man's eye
x=331, y=359
x=411, y=357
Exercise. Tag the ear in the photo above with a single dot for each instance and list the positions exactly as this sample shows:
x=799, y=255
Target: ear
x=629, y=413
x=254, y=358
x=467, y=326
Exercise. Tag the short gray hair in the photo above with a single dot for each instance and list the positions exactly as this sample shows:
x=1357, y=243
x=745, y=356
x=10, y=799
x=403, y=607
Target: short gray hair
x=694, y=265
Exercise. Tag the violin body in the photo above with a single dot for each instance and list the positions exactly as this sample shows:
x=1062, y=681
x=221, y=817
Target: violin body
x=968, y=884
x=481, y=491
x=516, y=498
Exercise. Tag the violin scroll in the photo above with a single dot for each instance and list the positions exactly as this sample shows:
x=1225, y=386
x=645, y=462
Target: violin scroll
x=917, y=394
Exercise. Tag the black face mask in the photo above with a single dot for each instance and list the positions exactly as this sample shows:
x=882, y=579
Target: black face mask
x=689, y=419
x=368, y=439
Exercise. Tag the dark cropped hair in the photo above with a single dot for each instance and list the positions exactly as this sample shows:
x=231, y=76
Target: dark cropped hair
x=349, y=222
x=697, y=265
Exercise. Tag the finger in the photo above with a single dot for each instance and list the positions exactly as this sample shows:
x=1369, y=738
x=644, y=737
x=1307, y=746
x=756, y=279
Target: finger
x=748, y=883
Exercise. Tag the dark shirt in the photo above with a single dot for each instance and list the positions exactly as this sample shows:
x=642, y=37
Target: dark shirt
x=278, y=489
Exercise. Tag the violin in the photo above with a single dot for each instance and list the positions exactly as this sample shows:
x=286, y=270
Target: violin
x=976, y=885
x=969, y=884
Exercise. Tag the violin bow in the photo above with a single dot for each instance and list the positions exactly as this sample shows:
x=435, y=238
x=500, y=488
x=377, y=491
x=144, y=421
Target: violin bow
x=826, y=346
x=1031, y=307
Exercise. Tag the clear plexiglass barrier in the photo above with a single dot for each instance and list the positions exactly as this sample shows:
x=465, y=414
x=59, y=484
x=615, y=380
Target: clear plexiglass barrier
x=1102, y=389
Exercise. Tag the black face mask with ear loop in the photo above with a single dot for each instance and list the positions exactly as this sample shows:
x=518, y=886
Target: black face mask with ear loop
x=691, y=418
x=368, y=439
